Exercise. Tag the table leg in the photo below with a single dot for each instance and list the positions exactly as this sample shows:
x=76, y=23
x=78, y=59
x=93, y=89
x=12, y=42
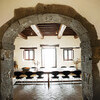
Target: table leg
x=48, y=81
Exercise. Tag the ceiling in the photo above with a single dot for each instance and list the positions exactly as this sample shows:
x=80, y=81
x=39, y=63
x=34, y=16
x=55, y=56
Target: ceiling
x=47, y=29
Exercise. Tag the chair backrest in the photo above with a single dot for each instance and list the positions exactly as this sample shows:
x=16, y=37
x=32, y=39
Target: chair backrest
x=39, y=72
x=66, y=72
x=42, y=67
x=19, y=77
x=63, y=67
x=72, y=66
x=55, y=72
x=77, y=72
x=17, y=73
x=33, y=67
x=28, y=73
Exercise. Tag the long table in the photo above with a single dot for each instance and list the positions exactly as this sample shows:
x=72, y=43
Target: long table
x=49, y=70
x=52, y=69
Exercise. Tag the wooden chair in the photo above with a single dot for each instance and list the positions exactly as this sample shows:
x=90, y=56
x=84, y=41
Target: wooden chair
x=66, y=73
x=17, y=74
x=28, y=75
x=55, y=73
x=77, y=73
x=39, y=73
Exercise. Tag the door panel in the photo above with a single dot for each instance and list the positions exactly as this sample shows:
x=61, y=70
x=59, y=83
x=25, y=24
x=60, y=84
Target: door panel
x=48, y=57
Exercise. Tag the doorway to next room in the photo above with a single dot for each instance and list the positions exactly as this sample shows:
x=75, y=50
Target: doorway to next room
x=49, y=61
x=49, y=57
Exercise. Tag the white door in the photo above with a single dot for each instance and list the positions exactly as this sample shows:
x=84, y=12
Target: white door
x=49, y=57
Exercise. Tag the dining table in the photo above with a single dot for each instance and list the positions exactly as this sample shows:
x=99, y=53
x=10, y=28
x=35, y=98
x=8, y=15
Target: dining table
x=48, y=71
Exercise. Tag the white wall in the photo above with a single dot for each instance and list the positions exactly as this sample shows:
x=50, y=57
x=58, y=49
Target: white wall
x=65, y=41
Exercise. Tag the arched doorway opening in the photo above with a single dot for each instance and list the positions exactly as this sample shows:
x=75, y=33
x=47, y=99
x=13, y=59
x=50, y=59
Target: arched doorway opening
x=17, y=26
x=45, y=55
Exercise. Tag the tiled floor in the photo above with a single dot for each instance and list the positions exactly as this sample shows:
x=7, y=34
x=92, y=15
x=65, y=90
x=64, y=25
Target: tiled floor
x=41, y=92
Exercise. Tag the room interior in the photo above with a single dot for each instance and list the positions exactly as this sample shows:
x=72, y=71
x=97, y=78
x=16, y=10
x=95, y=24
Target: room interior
x=47, y=53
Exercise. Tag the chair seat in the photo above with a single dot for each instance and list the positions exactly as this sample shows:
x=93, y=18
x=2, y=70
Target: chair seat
x=23, y=75
x=60, y=75
x=33, y=75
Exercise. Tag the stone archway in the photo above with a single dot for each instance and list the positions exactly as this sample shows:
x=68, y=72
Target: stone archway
x=18, y=24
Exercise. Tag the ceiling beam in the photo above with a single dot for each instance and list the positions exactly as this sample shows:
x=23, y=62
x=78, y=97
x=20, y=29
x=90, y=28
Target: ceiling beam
x=37, y=31
x=61, y=30
x=22, y=35
x=76, y=36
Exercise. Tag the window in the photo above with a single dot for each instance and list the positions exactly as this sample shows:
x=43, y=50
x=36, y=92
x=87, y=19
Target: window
x=28, y=54
x=68, y=54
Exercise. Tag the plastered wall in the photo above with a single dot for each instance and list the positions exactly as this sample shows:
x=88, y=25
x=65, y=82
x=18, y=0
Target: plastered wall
x=65, y=41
